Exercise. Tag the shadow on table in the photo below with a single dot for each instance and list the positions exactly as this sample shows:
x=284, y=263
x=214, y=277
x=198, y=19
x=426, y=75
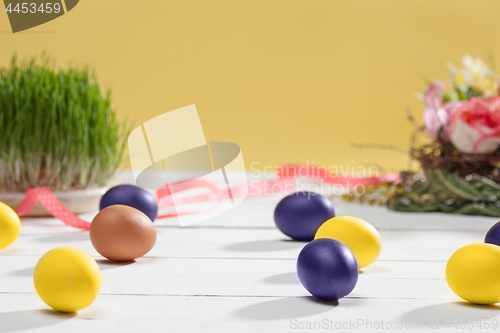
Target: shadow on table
x=285, y=308
x=103, y=265
x=65, y=237
x=28, y=319
x=107, y=264
x=25, y=272
x=285, y=278
x=373, y=269
x=452, y=313
x=10, y=250
x=265, y=245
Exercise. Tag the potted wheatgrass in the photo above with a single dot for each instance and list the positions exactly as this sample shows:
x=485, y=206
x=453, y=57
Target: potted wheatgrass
x=59, y=131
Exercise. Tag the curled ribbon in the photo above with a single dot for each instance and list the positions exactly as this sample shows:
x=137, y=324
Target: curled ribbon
x=285, y=177
x=48, y=200
x=297, y=171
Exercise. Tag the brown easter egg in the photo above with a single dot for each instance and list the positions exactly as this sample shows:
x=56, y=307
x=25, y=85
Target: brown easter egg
x=122, y=233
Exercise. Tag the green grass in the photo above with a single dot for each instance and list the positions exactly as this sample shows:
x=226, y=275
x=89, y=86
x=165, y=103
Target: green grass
x=57, y=128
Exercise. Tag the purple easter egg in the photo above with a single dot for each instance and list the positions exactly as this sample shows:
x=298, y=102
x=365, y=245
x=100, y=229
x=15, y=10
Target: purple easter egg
x=493, y=235
x=133, y=196
x=327, y=269
x=299, y=215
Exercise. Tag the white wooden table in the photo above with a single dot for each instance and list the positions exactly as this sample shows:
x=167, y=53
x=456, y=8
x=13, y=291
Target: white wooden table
x=236, y=273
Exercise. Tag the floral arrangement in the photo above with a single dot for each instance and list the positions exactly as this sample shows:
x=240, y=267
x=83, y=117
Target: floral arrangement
x=468, y=113
x=457, y=148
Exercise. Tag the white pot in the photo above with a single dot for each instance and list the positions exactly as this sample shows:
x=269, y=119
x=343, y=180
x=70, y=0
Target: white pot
x=77, y=201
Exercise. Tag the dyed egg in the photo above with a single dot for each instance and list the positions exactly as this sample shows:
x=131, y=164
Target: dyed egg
x=133, y=196
x=493, y=235
x=10, y=225
x=358, y=235
x=327, y=269
x=300, y=214
x=473, y=273
x=122, y=233
x=67, y=279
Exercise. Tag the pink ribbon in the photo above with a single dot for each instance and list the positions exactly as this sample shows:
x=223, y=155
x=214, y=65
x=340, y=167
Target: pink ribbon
x=48, y=200
x=286, y=178
x=303, y=171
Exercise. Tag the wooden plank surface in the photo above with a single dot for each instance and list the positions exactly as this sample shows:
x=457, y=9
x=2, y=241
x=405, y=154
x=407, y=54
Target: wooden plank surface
x=117, y=313
x=236, y=272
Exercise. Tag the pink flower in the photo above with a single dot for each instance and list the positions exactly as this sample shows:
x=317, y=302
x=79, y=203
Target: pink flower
x=475, y=126
x=436, y=114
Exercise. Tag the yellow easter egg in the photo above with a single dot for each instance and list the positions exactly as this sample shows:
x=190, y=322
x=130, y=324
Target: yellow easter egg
x=67, y=279
x=10, y=225
x=473, y=273
x=358, y=235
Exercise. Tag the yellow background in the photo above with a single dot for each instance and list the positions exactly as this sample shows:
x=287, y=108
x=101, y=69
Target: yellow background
x=289, y=81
